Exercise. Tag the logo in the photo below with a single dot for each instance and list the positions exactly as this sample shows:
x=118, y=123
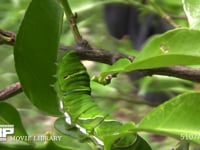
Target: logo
x=6, y=130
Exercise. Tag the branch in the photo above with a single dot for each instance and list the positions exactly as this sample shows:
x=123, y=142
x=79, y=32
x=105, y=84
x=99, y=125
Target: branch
x=175, y=71
x=110, y=57
x=72, y=18
x=95, y=54
x=7, y=37
x=10, y=91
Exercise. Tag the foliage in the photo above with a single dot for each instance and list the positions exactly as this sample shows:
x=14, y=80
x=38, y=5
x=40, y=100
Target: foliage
x=81, y=122
x=47, y=42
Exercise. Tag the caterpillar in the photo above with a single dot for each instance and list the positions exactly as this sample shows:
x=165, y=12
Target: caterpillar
x=78, y=107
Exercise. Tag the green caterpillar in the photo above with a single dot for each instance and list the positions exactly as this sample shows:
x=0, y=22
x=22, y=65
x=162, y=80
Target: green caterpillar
x=74, y=88
x=79, y=108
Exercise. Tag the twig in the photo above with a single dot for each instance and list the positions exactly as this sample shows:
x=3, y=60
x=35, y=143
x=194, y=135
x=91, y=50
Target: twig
x=178, y=17
x=175, y=71
x=7, y=37
x=72, y=22
x=98, y=55
x=10, y=91
x=109, y=57
x=159, y=11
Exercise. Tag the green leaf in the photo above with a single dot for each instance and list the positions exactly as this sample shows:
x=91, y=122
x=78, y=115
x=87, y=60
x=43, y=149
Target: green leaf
x=61, y=126
x=115, y=133
x=140, y=144
x=77, y=140
x=116, y=67
x=178, y=117
x=192, y=11
x=10, y=116
x=35, y=53
x=175, y=47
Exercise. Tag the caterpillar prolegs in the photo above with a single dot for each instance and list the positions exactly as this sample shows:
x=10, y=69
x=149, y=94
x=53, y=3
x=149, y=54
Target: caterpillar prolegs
x=81, y=111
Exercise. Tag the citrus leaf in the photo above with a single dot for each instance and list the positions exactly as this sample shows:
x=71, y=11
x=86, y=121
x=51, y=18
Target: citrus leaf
x=35, y=53
x=77, y=140
x=10, y=116
x=176, y=47
x=116, y=67
x=140, y=143
x=178, y=117
x=111, y=131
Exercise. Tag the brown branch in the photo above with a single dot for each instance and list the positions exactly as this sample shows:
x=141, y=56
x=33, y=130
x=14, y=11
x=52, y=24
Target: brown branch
x=7, y=37
x=98, y=55
x=109, y=57
x=10, y=91
x=175, y=71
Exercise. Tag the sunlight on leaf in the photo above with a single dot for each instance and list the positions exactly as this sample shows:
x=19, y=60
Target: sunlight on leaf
x=192, y=11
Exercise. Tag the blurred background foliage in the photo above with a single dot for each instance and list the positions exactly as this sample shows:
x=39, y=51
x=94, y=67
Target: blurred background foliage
x=119, y=97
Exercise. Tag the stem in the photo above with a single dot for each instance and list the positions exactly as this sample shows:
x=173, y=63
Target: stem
x=67, y=9
x=159, y=11
x=10, y=91
x=72, y=21
x=7, y=37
